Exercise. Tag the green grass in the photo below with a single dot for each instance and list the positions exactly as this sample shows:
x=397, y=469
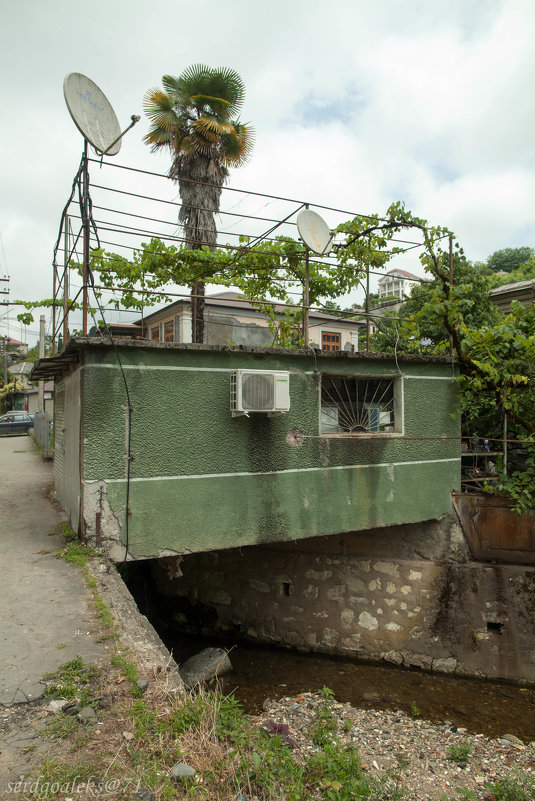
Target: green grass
x=76, y=554
x=128, y=669
x=71, y=680
x=67, y=531
x=61, y=726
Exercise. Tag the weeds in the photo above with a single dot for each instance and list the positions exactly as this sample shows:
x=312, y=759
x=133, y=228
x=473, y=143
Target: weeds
x=67, y=531
x=459, y=752
x=415, y=710
x=128, y=670
x=76, y=554
x=324, y=725
x=514, y=787
x=62, y=726
x=72, y=680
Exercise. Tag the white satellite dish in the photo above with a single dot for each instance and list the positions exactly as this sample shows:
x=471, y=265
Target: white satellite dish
x=92, y=113
x=314, y=232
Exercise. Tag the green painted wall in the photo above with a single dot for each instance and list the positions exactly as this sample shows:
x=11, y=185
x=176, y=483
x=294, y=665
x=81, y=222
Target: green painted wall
x=202, y=479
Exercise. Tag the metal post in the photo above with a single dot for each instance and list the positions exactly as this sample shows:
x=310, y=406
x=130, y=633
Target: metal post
x=306, y=299
x=505, y=443
x=41, y=384
x=451, y=285
x=66, y=283
x=4, y=355
x=367, y=307
x=194, y=313
x=87, y=232
x=54, y=309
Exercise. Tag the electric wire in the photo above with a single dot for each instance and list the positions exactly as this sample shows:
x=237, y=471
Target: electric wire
x=250, y=192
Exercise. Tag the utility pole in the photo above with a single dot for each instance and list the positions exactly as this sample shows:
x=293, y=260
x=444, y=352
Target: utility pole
x=4, y=359
x=41, y=384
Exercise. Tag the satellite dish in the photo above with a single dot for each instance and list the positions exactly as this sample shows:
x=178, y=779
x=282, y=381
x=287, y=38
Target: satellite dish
x=314, y=232
x=92, y=113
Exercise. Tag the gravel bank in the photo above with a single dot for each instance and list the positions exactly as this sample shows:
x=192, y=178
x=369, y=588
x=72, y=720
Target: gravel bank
x=417, y=752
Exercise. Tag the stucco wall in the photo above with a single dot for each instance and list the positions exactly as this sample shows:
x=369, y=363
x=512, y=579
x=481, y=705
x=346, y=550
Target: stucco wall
x=202, y=480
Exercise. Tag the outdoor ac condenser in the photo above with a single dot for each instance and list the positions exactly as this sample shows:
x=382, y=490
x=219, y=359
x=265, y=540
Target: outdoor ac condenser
x=265, y=391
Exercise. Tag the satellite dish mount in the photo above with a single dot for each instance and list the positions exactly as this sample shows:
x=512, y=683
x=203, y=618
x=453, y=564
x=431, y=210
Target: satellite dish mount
x=93, y=115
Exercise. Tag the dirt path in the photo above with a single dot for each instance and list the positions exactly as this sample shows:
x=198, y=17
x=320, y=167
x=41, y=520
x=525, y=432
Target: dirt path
x=45, y=618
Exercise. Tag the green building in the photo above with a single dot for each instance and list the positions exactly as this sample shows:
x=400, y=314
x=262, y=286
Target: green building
x=236, y=446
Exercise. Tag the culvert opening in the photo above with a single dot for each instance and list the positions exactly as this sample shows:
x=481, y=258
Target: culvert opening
x=494, y=628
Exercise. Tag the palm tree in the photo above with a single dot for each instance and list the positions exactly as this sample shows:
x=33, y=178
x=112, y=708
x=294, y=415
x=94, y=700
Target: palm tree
x=194, y=116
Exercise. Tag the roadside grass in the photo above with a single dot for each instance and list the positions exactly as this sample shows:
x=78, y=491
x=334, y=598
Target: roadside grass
x=143, y=738
x=140, y=739
x=74, y=679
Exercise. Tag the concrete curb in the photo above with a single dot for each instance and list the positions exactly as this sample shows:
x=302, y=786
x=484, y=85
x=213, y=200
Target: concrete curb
x=135, y=631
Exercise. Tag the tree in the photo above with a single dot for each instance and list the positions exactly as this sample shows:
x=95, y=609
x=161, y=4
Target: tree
x=195, y=118
x=509, y=259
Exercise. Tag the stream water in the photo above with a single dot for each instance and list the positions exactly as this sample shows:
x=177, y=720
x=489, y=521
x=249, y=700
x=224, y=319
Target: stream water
x=486, y=707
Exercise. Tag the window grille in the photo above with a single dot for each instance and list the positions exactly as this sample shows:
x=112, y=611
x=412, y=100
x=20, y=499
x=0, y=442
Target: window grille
x=359, y=405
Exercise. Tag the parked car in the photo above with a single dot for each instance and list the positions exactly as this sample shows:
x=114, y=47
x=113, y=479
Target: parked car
x=16, y=423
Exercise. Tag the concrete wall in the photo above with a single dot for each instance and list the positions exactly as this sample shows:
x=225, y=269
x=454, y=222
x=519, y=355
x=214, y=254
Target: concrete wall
x=67, y=446
x=203, y=480
x=368, y=595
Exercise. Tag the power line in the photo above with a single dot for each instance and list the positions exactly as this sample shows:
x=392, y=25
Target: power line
x=245, y=191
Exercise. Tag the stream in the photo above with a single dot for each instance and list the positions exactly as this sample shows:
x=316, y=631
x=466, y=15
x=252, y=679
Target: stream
x=260, y=672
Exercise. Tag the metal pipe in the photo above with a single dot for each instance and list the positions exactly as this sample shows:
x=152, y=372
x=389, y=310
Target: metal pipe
x=87, y=233
x=41, y=384
x=367, y=306
x=66, y=284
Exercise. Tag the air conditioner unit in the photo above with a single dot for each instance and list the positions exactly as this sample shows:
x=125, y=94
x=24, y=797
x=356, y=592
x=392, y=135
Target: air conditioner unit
x=265, y=391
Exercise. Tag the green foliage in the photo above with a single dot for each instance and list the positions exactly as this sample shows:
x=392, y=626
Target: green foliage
x=459, y=752
x=67, y=531
x=76, y=554
x=338, y=772
x=73, y=679
x=6, y=393
x=509, y=259
x=525, y=272
x=62, y=726
x=513, y=787
x=195, y=115
x=323, y=725
x=415, y=710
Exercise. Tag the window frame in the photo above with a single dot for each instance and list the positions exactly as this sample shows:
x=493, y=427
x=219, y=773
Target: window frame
x=331, y=332
x=398, y=407
x=169, y=324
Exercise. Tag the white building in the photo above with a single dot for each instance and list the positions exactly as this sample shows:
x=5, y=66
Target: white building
x=397, y=284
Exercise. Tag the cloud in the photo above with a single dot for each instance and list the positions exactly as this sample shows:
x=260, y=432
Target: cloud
x=355, y=106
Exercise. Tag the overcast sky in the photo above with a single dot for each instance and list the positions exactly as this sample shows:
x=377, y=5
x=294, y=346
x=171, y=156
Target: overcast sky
x=355, y=105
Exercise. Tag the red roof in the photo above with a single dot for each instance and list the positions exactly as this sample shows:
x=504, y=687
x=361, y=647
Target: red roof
x=400, y=272
x=12, y=341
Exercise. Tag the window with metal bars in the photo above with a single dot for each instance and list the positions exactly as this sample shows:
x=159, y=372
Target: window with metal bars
x=360, y=405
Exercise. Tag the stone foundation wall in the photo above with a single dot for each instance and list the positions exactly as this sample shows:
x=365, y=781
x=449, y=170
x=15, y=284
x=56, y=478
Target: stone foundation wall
x=425, y=605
